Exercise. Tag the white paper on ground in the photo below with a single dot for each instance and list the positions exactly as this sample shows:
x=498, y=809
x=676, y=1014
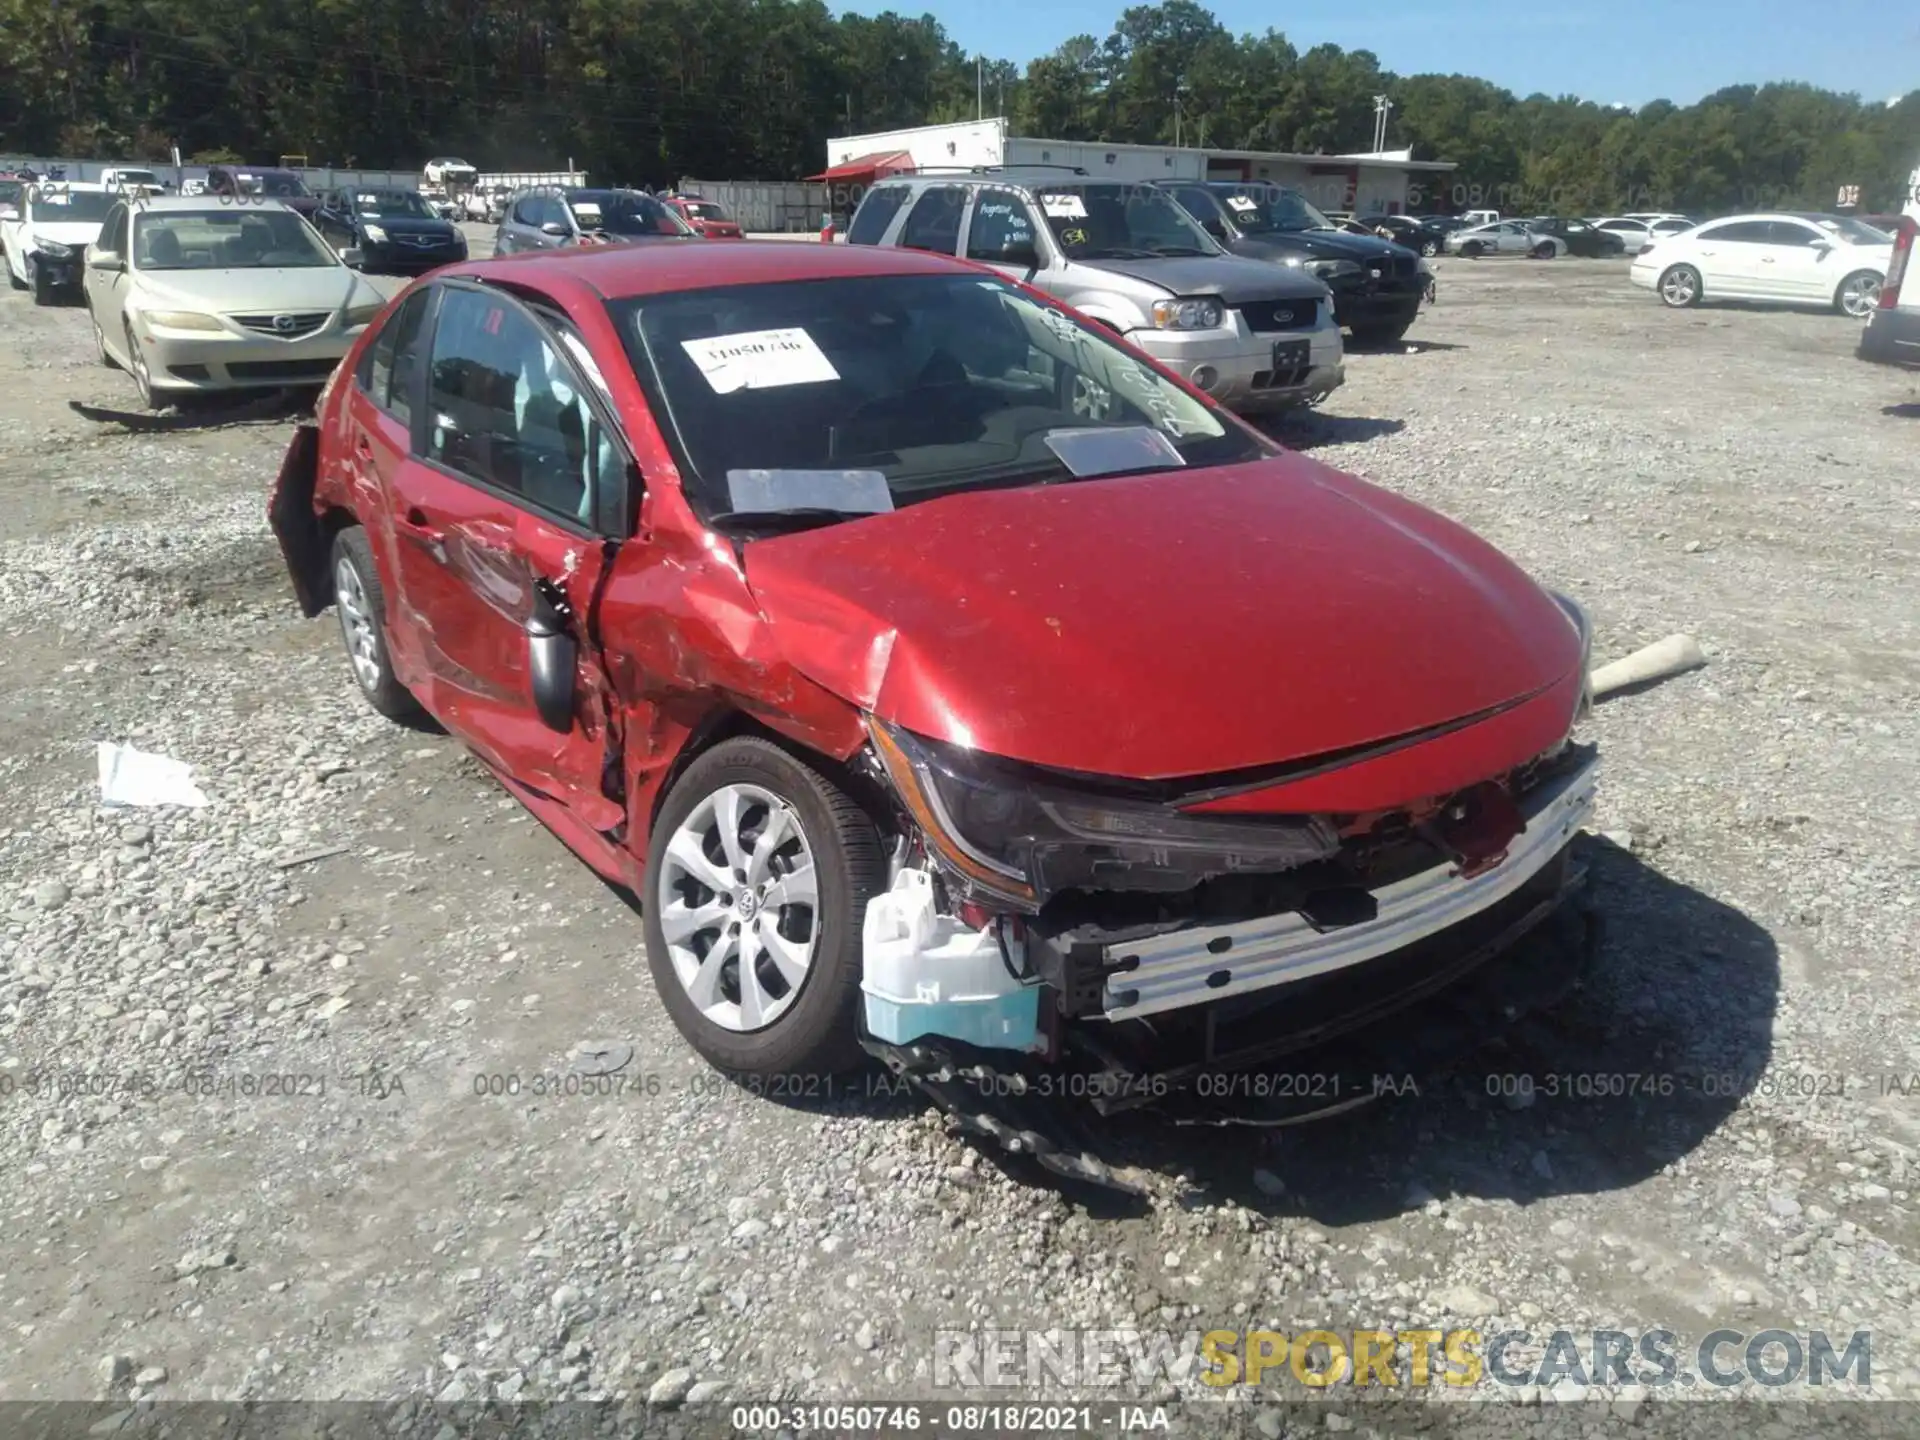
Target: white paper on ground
x=760, y=360
x=133, y=777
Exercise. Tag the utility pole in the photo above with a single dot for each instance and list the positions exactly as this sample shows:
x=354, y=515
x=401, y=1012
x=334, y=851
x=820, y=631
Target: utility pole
x=1381, y=105
x=979, y=87
x=1179, y=89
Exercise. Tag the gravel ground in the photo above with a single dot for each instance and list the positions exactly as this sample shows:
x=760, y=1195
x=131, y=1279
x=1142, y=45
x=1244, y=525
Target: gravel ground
x=184, y=1228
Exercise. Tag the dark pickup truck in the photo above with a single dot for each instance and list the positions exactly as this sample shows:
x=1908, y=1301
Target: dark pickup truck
x=1377, y=286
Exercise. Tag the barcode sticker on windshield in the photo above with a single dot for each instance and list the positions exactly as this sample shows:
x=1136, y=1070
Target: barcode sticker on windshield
x=1242, y=203
x=760, y=360
x=1064, y=207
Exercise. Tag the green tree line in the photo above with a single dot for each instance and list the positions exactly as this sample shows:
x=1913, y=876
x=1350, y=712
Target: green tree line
x=646, y=91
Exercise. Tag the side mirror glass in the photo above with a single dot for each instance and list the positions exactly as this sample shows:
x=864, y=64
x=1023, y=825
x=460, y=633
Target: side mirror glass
x=553, y=227
x=1020, y=253
x=106, y=260
x=353, y=257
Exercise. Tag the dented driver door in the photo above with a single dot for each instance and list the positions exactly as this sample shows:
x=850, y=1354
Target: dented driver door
x=498, y=525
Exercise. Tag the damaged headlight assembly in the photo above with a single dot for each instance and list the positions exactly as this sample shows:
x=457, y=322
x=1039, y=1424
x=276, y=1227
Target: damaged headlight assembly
x=1020, y=835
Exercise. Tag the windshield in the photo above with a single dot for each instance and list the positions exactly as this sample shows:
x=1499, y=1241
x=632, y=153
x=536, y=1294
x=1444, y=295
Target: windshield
x=227, y=239
x=272, y=182
x=10, y=191
x=137, y=177
x=372, y=204
x=1120, y=222
x=73, y=207
x=1855, y=232
x=624, y=212
x=1258, y=211
x=705, y=210
x=814, y=397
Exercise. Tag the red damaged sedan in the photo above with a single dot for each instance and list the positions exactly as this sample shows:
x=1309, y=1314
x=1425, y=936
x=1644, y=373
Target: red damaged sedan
x=947, y=680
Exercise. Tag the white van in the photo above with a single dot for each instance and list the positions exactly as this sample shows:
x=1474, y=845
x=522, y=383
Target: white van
x=1892, y=336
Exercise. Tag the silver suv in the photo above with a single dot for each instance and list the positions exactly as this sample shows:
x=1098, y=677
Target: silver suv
x=1255, y=337
x=549, y=217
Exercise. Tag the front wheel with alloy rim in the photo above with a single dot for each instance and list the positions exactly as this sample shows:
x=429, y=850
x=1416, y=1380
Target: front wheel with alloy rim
x=1858, y=295
x=361, y=602
x=1430, y=248
x=1680, y=287
x=758, y=876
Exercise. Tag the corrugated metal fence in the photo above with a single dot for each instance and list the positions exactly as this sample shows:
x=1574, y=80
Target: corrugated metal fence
x=766, y=206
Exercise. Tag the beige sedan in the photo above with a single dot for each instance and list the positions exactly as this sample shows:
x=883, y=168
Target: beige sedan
x=189, y=295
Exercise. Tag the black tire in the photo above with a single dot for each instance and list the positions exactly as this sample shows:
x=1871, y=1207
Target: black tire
x=818, y=1033
x=1471, y=249
x=37, y=279
x=1544, y=250
x=14, y=282
x=1679, y=287
x=1388, y=334
x=383, y=690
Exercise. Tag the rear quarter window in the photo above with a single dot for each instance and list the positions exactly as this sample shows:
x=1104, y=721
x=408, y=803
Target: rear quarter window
x=875, y=214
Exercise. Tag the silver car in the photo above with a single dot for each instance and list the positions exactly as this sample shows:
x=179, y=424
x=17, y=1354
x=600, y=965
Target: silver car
x=1255, y=336
x=1506, y=237
x=552, y=217
x=188, y=296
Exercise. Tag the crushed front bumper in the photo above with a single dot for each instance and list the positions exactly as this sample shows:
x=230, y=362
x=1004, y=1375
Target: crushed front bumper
x=1272, y=1022
x=1206, y=964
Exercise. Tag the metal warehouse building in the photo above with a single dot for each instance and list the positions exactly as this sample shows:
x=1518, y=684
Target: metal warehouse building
x=1382, y=183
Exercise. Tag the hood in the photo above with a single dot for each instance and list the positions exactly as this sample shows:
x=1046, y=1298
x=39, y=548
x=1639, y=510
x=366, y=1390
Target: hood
x=1163, y=626
x=1318, y=245
x=407, y=224
x=240, y=291
x=67, y=232
x=1233, y=278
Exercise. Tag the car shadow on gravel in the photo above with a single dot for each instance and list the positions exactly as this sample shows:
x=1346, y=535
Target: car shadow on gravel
x=208, y=412
x=1400, y=347
x=1908, y=411
x=1310, y=429
x=1672, y=1028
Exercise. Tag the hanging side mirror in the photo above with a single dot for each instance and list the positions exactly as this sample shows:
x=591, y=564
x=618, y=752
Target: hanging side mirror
x=552, y=654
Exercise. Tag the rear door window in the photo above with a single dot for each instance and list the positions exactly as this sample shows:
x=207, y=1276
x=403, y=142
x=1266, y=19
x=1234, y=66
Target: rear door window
x=875, y=214
x=1740, y=232
x=934, y=222
x=388, y=372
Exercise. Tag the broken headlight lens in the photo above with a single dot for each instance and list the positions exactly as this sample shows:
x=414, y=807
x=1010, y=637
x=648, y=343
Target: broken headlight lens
x=1023, y=834
x=1583, y=627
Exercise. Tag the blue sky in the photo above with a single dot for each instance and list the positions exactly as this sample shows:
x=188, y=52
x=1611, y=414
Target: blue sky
x=1632, y=51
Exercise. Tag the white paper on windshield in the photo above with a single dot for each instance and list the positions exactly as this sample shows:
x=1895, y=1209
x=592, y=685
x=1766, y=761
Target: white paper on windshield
x=587, y=212
x=760, y=360
x=862, y=492
x=1113, y=450
x=1064, y=207
x=1243, y=203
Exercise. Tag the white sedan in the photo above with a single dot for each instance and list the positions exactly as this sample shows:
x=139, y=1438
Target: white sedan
x=1506, y=237
x=1792, y=259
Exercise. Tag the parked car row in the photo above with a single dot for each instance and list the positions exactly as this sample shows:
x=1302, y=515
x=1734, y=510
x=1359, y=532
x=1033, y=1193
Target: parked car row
x=1800, y=258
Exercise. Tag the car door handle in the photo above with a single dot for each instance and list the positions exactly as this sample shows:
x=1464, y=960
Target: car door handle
x=420, y=529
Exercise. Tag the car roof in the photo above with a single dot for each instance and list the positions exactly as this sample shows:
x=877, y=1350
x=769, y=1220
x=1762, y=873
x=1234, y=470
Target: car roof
x=623, y=272
x=173, y=204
